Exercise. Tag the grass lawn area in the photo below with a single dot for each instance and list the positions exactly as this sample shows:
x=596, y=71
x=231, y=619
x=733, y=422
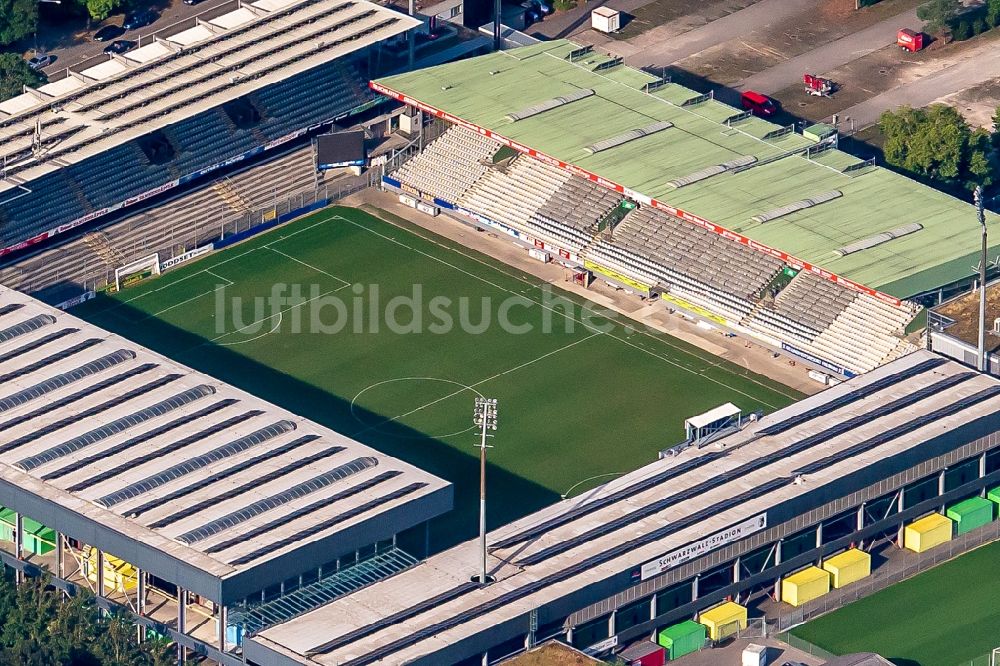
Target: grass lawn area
x=946, y=616
x=581, y=402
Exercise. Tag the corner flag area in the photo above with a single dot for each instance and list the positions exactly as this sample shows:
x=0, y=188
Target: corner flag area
x=387, y=334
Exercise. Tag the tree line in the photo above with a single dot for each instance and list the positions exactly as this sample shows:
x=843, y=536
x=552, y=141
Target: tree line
x=39, y=626
x=19, y=22
x=937, y=144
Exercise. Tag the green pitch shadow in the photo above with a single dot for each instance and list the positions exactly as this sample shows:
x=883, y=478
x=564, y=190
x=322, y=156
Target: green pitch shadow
x=510, y=496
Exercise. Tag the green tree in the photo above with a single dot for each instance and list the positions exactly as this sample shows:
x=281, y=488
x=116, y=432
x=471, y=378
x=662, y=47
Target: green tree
x=15, y=74
x=39, y=627
x=931, y=142
x=981, y=163
x=993, y=13
x=995, y=135
x=937, y=14
x=102, y=9
x=18, y=19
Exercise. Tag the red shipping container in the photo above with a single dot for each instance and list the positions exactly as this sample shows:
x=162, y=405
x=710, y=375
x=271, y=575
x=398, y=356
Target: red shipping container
x=645, y=653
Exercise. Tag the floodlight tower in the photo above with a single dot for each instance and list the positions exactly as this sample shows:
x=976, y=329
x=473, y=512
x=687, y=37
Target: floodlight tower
x=978, y=198
x=485, y=417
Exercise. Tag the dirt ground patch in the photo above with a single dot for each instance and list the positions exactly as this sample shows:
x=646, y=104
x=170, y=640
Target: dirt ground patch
x=729, y=63
x=857, y=81
x=977, y=104
x=659, y=12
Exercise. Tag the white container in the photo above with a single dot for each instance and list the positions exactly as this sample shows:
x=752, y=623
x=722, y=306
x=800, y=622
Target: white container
x=407, y=201
x=540, y=255
x=605, y=19
x=428, y=208
x=820, y=377
x=755, y=655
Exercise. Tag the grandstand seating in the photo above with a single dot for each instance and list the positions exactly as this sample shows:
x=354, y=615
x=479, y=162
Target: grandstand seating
x=182, y=222
x=512, y=195
x=682, y=260
x=316, y=96
x=449, y=165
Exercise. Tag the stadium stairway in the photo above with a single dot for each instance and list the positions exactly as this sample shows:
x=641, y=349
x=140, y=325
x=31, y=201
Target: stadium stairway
x=100, y=244
x=228, y=193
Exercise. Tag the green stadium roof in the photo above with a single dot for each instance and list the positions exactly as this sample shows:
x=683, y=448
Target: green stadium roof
x=789, y=167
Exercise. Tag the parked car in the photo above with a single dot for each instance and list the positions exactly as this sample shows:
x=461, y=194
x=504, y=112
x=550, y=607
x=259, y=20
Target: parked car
x=108, y=33
x=758, y=104
x=39, y=61
x=119, y=46
x=192, y=2
x=139, y=19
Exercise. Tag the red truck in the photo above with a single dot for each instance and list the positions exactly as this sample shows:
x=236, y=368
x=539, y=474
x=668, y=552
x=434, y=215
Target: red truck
x=910, y=40
x=758, y=104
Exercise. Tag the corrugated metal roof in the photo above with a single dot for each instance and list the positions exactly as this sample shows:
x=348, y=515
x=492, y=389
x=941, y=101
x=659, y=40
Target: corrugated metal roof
x=484, y=90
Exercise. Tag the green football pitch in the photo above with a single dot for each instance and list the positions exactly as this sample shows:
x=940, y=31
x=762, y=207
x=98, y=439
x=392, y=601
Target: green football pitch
x=582, y=397
x=946, y=616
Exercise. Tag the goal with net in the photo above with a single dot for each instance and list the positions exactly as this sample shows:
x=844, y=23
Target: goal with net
x=137, y=270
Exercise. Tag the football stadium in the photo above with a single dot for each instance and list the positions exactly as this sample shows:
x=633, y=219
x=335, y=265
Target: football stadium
x=241, y=410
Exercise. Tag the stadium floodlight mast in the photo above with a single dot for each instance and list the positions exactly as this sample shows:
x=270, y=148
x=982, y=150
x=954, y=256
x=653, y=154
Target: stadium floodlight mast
x=977, y=196
x=485, y=417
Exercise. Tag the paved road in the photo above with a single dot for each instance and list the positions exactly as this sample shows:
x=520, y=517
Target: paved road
x=977, y=65
x=829, y=56
x=659, y=49
x=83, y=47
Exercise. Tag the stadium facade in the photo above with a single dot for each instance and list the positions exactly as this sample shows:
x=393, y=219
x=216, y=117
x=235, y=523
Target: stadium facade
x=713, y=530
x=205, y=511
x=743, y=223
x=226, y=86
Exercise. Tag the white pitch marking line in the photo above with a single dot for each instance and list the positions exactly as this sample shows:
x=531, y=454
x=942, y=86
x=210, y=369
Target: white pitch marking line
x=277, y=325
x=479, y=383
x=318, y=270
x=571, y=317
x=184, y=302
x=290, y=307
x=228, y=282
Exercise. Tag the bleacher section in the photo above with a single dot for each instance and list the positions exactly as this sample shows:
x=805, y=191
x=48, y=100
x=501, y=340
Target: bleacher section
x=865, y=334
x=322, y=94
x=571, y=216
x=513, y=195
x=183, y=222
x=684, y=262
x=449, y=165
x=802, y=309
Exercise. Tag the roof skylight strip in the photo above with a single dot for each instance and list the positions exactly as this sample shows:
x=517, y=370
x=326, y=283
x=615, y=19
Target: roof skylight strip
x=87, y=413
x=215, y=455
x=115, y=427
x=66, y=378
x=266, y=504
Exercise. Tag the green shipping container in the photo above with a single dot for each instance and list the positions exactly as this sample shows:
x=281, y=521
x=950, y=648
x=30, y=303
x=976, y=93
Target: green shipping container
x=970, y=514
x=994, y=495
x=6, y=524
x=37, y=538
x=681, y=639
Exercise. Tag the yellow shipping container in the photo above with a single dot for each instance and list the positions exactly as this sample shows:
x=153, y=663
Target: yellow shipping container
x=929, y=531
x=847, y=567
x=803, y=586
x=119, y=575
x=722, y=621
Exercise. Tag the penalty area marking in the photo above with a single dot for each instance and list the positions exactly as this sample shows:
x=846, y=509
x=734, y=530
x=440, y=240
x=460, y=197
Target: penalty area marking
x=375, y=427
x=277, y=325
